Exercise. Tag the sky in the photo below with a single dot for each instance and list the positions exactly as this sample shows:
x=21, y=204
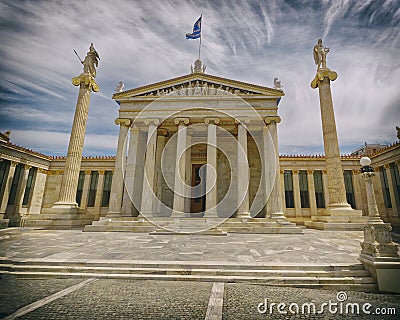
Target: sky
x=143, y=41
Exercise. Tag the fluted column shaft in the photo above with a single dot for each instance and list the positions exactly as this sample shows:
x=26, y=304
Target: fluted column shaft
x=117, y=183
x=336, y=187
x=211, y=172
x=373, y=213
x=74, y=156
x=243, y=174
x=7, y=188
x=311, y=192
x=180, y=166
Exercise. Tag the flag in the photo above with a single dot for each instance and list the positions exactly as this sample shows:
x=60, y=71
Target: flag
x=196, y=30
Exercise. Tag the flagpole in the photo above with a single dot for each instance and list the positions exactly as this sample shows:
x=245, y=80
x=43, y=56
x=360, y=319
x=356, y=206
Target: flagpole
x=201, y=31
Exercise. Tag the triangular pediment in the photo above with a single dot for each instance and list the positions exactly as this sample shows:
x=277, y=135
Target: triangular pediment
x=198, y=84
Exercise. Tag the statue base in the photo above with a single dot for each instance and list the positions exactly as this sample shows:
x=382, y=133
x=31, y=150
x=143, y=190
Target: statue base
x=338, y=218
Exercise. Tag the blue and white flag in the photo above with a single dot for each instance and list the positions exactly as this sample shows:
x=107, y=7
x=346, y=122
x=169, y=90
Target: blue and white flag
x=196, y=30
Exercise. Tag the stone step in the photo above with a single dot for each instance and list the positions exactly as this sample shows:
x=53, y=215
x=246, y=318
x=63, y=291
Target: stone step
x=361, y=274
x=56, y=223
x=186, y=265
x=345, y=283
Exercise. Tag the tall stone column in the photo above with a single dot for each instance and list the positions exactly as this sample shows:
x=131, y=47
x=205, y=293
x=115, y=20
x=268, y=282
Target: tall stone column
x=87, y=84
x=7, y=188
x=85, y=190
x=149, y=167
x=21, y=189
x=243, y=174
x=282, y=182
x=180, y=166
x=38, y=191
x=296, y=194
x=311, y=192
x=391, y=190
x=211, y=173
x=275, y=200
x=188, y=199
x=117, y=184
x=338, y=214
x=99, y=192
x=158, y=180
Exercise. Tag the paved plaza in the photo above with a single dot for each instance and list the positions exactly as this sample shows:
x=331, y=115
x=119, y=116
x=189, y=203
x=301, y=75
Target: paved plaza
x=98, y=298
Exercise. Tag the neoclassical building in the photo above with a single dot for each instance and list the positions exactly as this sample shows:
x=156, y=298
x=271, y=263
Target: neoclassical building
x=197, y=148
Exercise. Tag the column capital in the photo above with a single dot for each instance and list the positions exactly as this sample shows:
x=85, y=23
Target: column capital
x=355, y=171
x=295, y=171
x=183, y=121
x=13, y=163
x=281, y=171
x=386, y=166
x=211, y=120
x=88, y=171
x=102, y=171
x=27, y=167
x=123, y=122
x=310, y=171
x=324, y=172
x=274, y=119
x=40, y=170
x=152, y=122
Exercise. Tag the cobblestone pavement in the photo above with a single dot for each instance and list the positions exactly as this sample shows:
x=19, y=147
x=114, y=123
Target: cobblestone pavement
x=121, y=299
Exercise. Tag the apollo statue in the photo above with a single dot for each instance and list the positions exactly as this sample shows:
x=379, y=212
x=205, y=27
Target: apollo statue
x=320, y=53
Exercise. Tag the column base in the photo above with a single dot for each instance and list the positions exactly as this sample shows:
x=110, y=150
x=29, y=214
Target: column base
x=278, y=216
x=243, y=215
x=64, y=208
x=179, y=214
x=338, y=218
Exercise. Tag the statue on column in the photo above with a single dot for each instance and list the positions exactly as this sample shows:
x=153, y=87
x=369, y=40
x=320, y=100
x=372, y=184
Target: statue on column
x=320, y=53
x=91, y=61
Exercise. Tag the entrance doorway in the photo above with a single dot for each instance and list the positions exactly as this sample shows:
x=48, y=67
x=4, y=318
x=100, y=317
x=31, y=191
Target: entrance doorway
x=198, y=201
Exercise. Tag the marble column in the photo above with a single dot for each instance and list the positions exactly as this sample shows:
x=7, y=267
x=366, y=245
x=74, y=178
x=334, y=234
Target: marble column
x=311, y=192
x=180, y=166
x=391, y=190
x=275, y=200
x=188, y=199
x=211, y=172
x=336, y=187
x=99, y=192
x=373, y=213
x=85, y=190
x=7, y=188
x=296, y=192
x=357, y=188
x=243, y=174
x=282, y=172
x=67, y=200
x=149, y=168
x=325, y=186
x=21, y=189
x=158, y=185
x=117, y=184
x=38, y=191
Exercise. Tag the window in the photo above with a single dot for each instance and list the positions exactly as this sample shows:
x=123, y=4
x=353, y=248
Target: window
x=304, y=198
x=94, y=177
x=105, y=199
x=29, y=186
x=348, y=183
x=79, y=190
x=14, y=185
x=4, y=168
x=319, y=189
x=288, y=181
x=394, y=171
x=385, y=188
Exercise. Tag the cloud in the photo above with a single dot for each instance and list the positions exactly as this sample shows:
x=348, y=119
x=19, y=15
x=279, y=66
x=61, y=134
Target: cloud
x=253, y=41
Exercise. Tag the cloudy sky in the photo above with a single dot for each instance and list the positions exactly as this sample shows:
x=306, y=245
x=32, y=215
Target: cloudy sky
x=143, y=41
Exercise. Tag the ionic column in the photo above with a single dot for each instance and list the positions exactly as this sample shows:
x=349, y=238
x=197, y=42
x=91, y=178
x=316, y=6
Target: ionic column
x=117, y=184
x=282, y=172
x=275, y=201
x=67, y=199
x=211, y=172
x=38, y=191
x=296, y=191
x=158, y=187
x=180, y=166
x=311, y=192
x=325, y=185
x=336, y=187
x=188, y=199
x=7, y=188
x=357, y=188
x=99, y=191
x=85, y=190
x=21, y=189
x=149, y=167
x=243, y=174
x=391, y=190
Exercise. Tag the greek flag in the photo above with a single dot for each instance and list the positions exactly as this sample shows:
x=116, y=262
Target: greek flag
x=196, y=30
